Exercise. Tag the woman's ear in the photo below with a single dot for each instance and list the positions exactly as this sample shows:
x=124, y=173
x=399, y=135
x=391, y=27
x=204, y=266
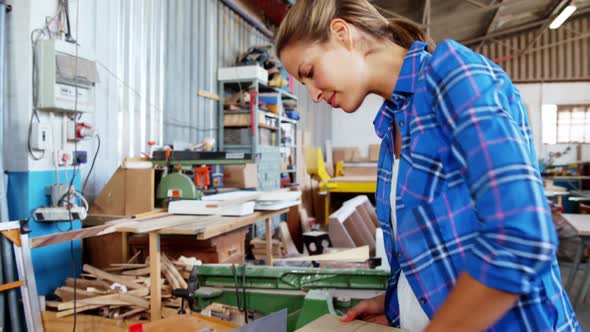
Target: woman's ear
x=341, y=32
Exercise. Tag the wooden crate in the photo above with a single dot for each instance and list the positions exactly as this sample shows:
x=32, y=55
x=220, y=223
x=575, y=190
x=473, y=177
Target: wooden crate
x=225, y=248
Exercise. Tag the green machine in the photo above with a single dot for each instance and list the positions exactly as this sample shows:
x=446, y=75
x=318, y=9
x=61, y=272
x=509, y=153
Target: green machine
x=307, y=293
x=175, y=184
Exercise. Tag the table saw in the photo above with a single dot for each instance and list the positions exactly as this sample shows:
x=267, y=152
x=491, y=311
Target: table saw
x=306, y=293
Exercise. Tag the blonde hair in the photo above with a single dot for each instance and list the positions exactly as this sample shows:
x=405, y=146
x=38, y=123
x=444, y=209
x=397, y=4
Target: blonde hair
x=309, y=21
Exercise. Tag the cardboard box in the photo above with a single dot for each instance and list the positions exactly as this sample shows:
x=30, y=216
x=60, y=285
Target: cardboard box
x=374, y=152
x=128, y=192
x=240, y=176
x=361, y=171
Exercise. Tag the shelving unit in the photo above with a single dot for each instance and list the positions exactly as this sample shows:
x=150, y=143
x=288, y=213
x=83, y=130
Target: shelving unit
x=263, y=140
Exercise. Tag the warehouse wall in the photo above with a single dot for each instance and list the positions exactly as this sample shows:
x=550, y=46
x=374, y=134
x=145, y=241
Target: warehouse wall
x=535, y=95
x=202, y=36
x=559, y=55
x=360, y=123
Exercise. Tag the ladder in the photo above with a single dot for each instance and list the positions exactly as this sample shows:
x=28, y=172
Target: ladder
x=17, y=233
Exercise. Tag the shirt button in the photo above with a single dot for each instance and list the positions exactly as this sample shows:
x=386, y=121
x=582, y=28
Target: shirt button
x=399, y=255
x=422, y=300
x=401, y=123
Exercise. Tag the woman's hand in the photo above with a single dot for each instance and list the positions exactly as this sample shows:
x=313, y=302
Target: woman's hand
x=371, y=310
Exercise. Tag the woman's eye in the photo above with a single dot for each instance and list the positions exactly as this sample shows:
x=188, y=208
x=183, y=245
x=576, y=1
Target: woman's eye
x=310, y=73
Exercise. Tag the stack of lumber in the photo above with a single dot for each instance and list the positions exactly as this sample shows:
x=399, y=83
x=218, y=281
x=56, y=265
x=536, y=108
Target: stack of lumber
x=120, y=291
x=258, y=246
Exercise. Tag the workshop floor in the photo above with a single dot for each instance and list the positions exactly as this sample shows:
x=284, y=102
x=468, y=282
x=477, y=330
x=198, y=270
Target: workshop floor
x=583, y=311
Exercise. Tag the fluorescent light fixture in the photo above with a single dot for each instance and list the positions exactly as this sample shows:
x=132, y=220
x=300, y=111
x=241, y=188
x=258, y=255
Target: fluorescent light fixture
x=565, y=13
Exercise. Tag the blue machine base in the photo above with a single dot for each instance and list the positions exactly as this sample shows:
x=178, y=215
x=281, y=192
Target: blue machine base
x=53, y=264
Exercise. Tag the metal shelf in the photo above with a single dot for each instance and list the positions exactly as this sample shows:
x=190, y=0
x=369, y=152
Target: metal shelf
x=287, y=120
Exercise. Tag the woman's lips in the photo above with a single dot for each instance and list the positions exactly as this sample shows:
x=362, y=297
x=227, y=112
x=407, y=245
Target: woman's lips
x=332, y=101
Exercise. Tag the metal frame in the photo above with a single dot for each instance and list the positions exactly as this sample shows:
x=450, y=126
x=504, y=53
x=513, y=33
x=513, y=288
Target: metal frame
x=15, y=232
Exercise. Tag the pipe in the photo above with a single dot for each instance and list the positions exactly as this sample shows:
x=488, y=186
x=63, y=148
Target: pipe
x=246, y=16
x=7, y=250
x=3, y=203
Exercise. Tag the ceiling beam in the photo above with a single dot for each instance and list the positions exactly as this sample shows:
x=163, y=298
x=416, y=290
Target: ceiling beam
x=553, y=12
x=397, y=15
x=518, y=28
x=490, y=24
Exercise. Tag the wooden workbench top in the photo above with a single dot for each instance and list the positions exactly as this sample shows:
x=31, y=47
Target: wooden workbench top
x=580, y=222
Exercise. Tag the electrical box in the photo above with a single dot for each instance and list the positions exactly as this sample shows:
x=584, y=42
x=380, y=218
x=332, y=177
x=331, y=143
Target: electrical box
x=61, y=75
x=40, y=136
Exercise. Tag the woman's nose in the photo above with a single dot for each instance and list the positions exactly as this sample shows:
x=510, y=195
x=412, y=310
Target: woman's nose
x=316, y=94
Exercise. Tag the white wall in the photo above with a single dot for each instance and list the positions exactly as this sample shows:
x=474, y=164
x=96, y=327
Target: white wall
x=537, y=94
x=25, y=16
x=356, y=129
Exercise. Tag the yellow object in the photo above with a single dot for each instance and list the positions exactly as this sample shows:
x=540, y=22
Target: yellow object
x=316, y=168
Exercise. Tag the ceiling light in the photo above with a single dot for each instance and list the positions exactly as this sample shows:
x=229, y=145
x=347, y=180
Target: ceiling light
x=565, y=13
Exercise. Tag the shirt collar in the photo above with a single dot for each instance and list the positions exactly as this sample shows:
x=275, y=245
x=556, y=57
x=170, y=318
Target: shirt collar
x=404, y=87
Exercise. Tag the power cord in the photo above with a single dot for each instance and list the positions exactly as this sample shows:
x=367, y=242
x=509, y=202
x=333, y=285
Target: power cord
x=92, y=165
x=241, y=304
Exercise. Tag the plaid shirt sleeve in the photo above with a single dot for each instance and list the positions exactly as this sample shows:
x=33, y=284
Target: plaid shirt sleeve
x=476, y=106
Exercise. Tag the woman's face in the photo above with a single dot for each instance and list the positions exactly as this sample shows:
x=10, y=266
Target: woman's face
x=333, y=71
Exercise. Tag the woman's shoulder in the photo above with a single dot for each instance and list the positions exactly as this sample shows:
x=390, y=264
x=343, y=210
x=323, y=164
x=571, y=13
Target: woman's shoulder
x=451, y=55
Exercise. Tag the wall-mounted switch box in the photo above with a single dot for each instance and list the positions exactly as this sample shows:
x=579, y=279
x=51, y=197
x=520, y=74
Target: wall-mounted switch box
x=40, y=136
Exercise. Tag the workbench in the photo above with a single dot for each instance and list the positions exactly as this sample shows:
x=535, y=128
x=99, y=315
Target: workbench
x=202, y=227
x=581, y=223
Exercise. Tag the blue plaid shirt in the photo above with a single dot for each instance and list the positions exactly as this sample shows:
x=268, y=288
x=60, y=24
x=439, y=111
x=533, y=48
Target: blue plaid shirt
x=469, y=194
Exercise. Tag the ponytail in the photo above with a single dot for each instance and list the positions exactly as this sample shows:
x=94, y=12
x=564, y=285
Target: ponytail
x=309, y=21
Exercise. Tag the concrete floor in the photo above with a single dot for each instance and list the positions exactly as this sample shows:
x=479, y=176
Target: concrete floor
x=583, y=310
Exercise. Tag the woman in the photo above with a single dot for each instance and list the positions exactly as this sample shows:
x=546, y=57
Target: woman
x=466, y=224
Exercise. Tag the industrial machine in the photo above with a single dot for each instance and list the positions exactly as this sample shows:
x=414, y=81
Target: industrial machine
x=185, y=174
x=306, y=293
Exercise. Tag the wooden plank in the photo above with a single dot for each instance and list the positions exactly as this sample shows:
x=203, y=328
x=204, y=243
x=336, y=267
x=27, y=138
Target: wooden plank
x=155, y=275
x=360, y=254
x=11, y=285
x=84, y=323
x=176, y=275
x=85, y=283
x=156, y=224
x=192, y=322
x=580, y=222
x=104, y=298
x=41, y=241
x=135, y=300
x=138, y=272
x=130, y=313
x=67, y=294
x=111, y=277
x=207, y=94
x=78, y=309
x=230, y=224
x=134, y=258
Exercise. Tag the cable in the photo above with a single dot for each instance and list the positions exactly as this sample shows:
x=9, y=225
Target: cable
x=240, y=304
x=68, y=36
x=92, y=165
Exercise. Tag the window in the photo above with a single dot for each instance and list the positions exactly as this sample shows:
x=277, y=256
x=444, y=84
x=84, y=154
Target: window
x=566, y=124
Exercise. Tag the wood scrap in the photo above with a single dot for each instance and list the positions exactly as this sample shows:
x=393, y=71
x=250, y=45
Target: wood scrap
x=137, y=272
x=111, y=277
x=360, y=254
x=85, y=283
x=135, y=257
x=132, y=312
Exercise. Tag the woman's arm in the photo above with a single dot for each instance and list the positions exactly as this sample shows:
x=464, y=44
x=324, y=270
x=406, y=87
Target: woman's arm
x=484, y=121
x=471, y=306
